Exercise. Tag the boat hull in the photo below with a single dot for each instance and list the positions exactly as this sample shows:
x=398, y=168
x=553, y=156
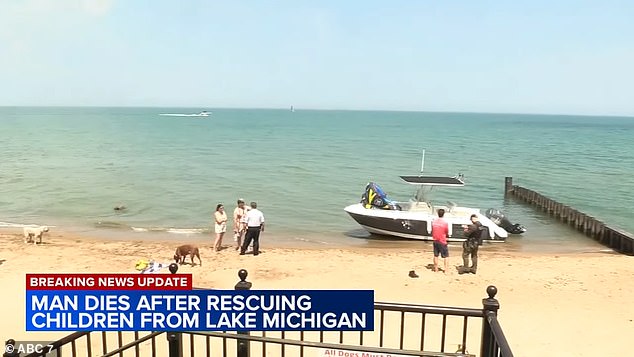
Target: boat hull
x=417, y=225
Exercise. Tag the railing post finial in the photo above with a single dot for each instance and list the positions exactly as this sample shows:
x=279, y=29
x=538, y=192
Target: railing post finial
x=173, y=268
x=243, y=284
x=492, y=291
x=242, y=274
x=491, y=303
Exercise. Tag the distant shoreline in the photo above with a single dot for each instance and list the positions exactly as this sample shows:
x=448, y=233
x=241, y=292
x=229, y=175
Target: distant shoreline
x=624, y=116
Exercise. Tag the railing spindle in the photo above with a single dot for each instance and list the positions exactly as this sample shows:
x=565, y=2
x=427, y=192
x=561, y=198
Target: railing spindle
x=444, y=333
x=381, y=330
x=464, y=334
x=104, y=343
x=402, y=334
x=301, y=348
x=120, y=341
x=136, y=348
x=422, y=332
x=88, y=345
x=283, y=345
x=224, y=345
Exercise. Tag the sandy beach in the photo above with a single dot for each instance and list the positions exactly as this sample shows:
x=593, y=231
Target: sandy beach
x=568, y=304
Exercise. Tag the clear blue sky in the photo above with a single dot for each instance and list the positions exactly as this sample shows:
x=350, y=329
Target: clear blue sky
x=437, y=55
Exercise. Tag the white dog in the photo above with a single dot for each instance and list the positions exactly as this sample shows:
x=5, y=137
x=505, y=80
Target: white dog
x=30, y=233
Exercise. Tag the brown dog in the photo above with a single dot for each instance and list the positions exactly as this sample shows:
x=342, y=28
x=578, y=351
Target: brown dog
x=184, y=250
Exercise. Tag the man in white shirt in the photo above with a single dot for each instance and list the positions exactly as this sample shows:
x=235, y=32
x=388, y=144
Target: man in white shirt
x=255, y=224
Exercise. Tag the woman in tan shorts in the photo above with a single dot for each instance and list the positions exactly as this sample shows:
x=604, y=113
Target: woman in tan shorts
x=220, y=226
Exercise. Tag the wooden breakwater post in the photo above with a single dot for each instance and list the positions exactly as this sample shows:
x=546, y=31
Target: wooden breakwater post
x=508, y=186
x=614, y=238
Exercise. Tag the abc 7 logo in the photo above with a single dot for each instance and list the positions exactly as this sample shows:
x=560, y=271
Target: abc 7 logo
x=10, y=348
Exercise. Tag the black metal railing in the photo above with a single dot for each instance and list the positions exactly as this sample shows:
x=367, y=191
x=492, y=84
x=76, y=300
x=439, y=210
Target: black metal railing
x=400, y=329
x=302, y=345
x=425, y=314
x=493, y=340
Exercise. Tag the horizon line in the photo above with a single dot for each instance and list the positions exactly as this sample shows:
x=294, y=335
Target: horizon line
x=630, y=116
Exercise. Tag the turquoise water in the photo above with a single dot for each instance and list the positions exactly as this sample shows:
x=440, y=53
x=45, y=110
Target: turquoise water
x=68, y=167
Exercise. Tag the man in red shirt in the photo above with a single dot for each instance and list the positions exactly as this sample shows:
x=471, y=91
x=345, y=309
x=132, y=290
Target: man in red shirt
x=440, y=232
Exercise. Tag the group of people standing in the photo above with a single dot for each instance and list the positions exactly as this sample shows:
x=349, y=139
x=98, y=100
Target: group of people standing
x=472, y=234
x=248, y=222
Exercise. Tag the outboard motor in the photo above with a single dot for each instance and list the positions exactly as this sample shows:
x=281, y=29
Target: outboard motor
x=500, y=219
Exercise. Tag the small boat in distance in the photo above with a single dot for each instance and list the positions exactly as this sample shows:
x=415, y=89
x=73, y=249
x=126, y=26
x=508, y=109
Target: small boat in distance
x=201, y=114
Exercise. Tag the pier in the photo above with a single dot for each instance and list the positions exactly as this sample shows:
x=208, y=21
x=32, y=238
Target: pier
x=617, y=239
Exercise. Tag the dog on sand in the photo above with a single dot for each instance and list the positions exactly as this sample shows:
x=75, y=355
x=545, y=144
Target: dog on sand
x=31, y=233
x=184, y=250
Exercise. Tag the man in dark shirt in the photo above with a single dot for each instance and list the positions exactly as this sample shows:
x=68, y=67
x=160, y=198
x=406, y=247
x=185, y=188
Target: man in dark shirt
x=470, y=245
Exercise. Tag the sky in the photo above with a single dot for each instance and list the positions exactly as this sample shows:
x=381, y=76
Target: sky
x=559, y=57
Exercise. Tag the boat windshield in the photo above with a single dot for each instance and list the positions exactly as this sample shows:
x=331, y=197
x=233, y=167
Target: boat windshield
x=422, y=194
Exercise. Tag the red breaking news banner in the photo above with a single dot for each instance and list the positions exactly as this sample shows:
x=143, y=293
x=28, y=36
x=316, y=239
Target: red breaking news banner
x=109, y=281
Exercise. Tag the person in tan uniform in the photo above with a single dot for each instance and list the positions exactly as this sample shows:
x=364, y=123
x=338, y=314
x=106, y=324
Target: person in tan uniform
x=238, y=223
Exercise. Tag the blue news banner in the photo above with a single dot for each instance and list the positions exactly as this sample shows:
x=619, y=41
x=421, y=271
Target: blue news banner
x=200, y=310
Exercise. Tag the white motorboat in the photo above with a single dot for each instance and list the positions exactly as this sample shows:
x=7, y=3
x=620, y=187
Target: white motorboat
x=413, y=219
x=201, y=114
